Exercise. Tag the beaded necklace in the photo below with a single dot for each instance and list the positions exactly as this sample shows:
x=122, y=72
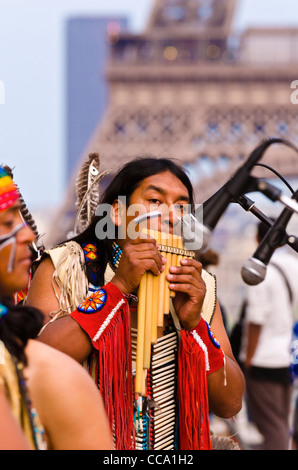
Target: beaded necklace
x=116, y=255
x=37, y=431
x=91, y=254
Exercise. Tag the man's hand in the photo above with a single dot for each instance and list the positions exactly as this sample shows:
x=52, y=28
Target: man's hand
x=138, y=256
x=190, y=290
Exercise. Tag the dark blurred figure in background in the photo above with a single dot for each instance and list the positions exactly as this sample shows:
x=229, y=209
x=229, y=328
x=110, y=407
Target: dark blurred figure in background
x=266, y=346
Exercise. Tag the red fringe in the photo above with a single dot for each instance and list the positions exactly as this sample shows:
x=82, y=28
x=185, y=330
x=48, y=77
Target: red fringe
x=193, y=396
x=115, y=369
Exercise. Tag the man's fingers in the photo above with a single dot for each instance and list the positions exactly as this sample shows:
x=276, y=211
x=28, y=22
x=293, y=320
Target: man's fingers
x=191, y=263
x=141, y=240
x=188, y=268
x=185, y=279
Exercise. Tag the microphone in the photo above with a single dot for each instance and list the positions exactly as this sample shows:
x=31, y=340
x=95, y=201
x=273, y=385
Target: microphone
x=254, y=269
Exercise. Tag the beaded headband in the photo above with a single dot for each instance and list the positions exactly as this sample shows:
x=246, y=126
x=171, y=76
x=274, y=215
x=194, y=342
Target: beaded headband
x=8, y=190
x=8, y=196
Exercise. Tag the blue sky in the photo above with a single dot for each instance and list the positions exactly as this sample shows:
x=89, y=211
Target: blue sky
x=32, y=126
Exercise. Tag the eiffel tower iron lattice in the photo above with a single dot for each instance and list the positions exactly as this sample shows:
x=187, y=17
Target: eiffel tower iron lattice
x=190, y=87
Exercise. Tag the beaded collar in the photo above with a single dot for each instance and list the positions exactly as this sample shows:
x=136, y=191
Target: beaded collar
x=90, y=251
x=91, y=254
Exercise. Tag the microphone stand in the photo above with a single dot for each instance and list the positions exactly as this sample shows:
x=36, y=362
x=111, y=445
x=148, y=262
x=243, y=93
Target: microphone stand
x=254, y=270
x=249, y=206
x=240, y=183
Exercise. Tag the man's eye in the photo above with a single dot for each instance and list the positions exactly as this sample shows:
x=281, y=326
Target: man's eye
x=6, y=226
x=182, y=208
x=154, y=201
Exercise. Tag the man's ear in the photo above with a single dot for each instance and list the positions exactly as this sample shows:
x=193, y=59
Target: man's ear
x=116, y=212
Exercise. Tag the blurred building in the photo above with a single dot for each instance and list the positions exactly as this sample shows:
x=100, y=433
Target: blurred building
x=87, y=92
x=192, y=88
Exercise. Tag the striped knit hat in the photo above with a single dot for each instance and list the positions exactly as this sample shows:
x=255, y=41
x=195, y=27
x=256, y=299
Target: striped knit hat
x=8, y=191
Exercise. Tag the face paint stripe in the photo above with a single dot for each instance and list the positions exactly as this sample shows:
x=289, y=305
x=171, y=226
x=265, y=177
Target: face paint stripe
x=10, y=239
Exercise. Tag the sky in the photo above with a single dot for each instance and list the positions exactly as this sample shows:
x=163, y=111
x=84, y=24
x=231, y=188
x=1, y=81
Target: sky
x=32, y=68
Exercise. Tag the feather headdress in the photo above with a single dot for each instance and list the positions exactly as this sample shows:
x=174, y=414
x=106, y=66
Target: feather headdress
x=87, y=192
x=27, y=216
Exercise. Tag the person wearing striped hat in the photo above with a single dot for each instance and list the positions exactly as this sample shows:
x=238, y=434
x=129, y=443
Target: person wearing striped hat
x=16, y=327
x=16, y=237
x=40, y=388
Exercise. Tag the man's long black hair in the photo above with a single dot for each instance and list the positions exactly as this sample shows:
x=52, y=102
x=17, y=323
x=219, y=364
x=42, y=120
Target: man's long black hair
x=20, y=324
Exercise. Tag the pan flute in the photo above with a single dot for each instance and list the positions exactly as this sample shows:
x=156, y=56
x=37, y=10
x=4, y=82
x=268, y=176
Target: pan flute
x=156, y=357
x=154, y=302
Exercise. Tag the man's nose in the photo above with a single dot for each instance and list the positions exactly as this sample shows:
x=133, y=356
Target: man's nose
x=171, y=218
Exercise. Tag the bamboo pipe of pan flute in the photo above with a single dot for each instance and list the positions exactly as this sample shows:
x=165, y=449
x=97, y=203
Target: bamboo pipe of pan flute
x=168, y=256
x=147, y=325
x=139, y=379
x=161, y=290
x=174, y=257
x=148, y=320
x=154, y=302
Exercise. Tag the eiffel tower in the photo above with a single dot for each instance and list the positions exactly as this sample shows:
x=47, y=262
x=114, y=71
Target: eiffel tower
x=189, y=88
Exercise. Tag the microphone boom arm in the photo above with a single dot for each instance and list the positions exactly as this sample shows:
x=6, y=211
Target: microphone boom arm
x=249, y=206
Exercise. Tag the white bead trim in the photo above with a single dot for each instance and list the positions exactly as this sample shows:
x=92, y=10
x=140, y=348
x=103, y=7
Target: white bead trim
x=204, y=347
x=107, y=320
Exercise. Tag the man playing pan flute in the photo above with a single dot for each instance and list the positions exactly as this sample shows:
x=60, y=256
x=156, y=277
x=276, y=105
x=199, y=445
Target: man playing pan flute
x=88, y=290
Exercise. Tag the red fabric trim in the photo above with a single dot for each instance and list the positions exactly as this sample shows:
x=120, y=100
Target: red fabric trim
x=194, y=428
x=113, y=344
x=215, y=353
x=91, y=322
x=199, y=355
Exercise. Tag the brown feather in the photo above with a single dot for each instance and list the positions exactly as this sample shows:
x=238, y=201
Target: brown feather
x=87, y=192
